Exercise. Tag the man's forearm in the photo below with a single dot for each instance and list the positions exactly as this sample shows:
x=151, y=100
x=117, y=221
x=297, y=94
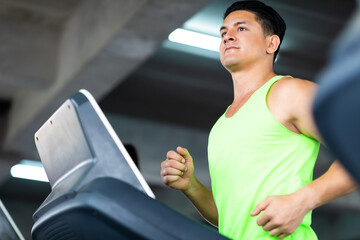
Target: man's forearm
x=203, y=200
x=335, y=183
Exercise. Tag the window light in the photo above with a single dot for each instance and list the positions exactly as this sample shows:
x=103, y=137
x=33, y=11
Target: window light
x=195, y=39
x=28, y=169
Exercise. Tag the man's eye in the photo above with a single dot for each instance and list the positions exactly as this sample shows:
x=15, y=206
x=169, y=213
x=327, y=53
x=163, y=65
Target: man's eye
x=240, y=29
x=223, y=34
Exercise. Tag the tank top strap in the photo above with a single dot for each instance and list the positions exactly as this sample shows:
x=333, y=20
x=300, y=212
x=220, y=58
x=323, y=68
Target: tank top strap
x=264, y=90
x=271, y=82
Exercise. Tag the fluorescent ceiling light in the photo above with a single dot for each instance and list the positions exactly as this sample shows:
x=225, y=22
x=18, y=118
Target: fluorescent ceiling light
x=28, y=169
x=195, y=39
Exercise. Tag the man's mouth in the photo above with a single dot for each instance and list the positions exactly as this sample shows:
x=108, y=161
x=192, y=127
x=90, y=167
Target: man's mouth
x=231, y=47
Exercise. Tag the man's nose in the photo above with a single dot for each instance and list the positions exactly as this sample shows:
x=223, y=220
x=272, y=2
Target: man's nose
x=229, y=37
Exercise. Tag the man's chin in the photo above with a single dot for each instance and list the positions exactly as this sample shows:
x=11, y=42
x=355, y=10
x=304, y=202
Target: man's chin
x=232, y=65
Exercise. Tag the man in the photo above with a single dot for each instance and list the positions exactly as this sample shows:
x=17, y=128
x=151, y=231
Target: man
x=263, y=149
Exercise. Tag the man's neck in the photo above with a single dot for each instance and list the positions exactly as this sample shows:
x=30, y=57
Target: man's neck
x=248, y=81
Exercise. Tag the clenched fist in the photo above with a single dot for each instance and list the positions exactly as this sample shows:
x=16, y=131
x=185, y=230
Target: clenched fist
x=177, y=171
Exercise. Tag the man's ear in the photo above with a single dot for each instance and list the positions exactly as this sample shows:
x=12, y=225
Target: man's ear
x=273, y=43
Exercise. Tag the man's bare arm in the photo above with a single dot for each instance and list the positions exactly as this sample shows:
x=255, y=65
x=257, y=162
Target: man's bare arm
x=203, y=200
x=336, y=182
x=294, y=98
x=177, y=172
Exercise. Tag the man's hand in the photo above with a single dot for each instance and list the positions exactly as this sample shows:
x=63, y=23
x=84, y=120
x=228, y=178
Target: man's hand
x=281, y=215
x=177, y=171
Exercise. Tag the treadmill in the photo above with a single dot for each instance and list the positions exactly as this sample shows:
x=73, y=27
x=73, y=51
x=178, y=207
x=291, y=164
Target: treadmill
x=97, y=190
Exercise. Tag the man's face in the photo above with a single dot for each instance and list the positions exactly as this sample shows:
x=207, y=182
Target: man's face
x=243, y=41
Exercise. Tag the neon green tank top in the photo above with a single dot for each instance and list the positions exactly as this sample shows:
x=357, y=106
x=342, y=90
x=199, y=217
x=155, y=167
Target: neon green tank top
x=251, y=156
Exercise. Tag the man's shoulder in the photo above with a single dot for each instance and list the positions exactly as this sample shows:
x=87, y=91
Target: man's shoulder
x=288, y=95
x=292, y=82
x=290, y=87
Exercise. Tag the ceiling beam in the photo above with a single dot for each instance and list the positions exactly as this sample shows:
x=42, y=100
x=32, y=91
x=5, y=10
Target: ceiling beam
x=101, y=44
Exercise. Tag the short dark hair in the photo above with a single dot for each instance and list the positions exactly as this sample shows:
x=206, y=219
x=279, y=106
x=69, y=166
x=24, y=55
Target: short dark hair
x=270, y=20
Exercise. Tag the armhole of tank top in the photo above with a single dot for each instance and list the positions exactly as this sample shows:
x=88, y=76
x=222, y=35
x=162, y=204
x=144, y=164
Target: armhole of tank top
x=224, y=114
x=272, y=115
x=227, y=109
